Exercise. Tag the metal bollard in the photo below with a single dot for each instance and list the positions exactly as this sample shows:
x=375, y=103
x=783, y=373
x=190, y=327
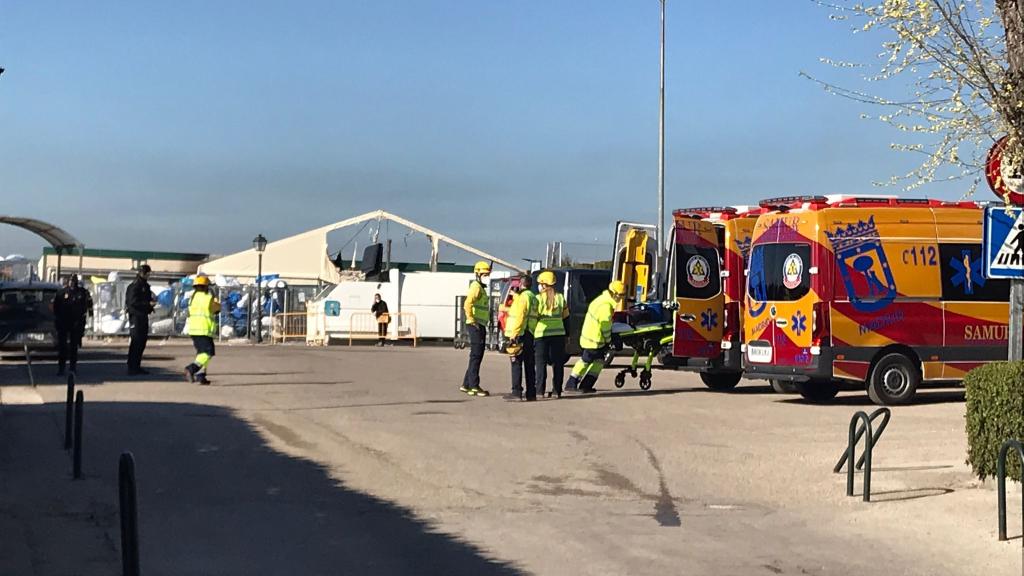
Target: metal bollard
x=77, y=456
x=69, y=407
x=129, y=515
x=28, y=363
x=851, y=451
x=1001, y=479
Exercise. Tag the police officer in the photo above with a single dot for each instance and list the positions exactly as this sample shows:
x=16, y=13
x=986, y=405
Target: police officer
x=549, y=334
x=519, y=325
x=70, y=308
x=138, y=301
x=202, y=309
x=478, y=315
x=595, y=338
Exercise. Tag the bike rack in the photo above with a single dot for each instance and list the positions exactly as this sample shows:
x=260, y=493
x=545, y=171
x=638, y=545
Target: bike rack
x=1001, y=478
x=886, y=414
x=869, y=443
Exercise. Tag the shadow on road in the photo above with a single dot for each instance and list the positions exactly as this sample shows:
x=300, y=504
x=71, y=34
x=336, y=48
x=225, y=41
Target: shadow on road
x=861, y=399
x=90, y=371
x=911, y=494
x=214, y=498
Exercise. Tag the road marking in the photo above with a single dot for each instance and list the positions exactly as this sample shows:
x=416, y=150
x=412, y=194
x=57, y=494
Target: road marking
x=19, y=396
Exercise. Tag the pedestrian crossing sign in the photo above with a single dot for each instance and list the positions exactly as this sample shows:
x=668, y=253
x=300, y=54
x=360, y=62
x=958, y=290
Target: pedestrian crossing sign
x=1003, y=242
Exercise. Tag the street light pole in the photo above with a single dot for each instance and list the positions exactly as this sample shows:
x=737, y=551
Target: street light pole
x=259, y=244
x=661, y=150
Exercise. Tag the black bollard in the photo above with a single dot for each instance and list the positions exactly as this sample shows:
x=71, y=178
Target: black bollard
x=77, y=456
x=129, y=515
x=69, y=407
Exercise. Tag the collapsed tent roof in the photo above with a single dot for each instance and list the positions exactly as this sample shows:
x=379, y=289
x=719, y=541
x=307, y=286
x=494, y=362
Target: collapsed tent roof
x=57, y=237
x=305, y=256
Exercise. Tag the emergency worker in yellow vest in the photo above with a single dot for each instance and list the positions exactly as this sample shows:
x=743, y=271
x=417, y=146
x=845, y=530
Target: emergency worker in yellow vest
x=201, y=326
x=478, y=315
x=549, y=335
x=522, y=314
x=596, y=338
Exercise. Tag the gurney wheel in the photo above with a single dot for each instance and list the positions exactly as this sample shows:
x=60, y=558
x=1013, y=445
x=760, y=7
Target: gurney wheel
x=645, y=380
x=620, y=379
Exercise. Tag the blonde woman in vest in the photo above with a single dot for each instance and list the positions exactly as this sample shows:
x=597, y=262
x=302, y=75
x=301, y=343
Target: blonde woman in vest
x=549, y=335
x=201, y=326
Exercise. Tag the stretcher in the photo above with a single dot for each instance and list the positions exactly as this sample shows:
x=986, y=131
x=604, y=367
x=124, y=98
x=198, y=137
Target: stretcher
x=644, y=329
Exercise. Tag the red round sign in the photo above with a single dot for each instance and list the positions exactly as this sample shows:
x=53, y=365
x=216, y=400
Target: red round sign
x=1006, y=181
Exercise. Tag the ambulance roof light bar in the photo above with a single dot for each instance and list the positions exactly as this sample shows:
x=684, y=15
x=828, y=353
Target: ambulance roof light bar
x=784, y=203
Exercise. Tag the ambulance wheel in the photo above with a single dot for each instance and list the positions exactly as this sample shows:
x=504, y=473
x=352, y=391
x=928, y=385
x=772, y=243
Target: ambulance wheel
x=782, y=387
x=894, y=380
x=817, y=391
x=620, y=379
x=645, y=380
x=721, y=380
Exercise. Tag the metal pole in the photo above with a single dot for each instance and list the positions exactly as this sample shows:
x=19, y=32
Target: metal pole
x=77, y=456
x=661, y=147
x=259, y=301
x=69, y=405
x=1016, y=351
x=129, y=515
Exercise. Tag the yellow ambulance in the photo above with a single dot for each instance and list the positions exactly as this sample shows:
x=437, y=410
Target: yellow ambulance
x=879, y=292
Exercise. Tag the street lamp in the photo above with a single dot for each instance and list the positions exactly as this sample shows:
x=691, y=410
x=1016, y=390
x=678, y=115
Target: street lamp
x=661, y=149
x=259, y=243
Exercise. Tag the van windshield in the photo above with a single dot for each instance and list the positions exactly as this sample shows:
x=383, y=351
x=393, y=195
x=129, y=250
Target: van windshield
x=779, y=272
x=697, y=272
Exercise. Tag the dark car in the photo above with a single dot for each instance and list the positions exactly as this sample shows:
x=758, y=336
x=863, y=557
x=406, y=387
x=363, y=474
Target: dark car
x=26, y=314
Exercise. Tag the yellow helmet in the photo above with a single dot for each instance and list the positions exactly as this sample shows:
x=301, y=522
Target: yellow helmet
x=617, y=288
x=547, y=277
x=482, y=267
x=201, y=281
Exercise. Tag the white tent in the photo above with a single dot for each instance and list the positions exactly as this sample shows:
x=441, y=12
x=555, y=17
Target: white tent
x=304, y=258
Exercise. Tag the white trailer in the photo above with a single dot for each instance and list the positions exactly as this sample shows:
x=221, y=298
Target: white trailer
x=429, y=297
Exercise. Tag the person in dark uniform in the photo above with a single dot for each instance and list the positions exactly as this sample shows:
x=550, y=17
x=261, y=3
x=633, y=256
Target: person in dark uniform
x=70, y=308
x=139, y=303
x=380, y=312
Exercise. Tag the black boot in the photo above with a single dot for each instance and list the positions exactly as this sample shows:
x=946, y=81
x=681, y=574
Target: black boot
x=571, y=384
x=587, y=385
x=190, y=372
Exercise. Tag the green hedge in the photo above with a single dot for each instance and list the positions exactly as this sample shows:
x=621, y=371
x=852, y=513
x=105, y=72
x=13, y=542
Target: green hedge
x=995, y=413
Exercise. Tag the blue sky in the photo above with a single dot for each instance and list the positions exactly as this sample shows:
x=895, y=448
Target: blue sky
x=193, y=125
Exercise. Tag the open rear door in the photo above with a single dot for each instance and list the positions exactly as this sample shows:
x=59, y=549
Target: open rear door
x=635, y=259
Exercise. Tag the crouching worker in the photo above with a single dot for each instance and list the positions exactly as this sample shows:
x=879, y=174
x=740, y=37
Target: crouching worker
x=595, y=338
x=201, y=327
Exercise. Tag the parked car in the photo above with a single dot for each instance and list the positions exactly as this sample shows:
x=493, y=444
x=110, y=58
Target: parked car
x=26, y=315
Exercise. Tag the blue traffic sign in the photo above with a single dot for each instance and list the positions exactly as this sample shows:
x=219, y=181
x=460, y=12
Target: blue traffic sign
x=1003, y=242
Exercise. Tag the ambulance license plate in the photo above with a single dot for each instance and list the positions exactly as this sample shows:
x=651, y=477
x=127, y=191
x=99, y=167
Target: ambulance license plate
x=759, y=354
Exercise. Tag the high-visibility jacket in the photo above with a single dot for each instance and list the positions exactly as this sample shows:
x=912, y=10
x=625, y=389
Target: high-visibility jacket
x=477, y=304
x=597, y=327
x=531, y=310
x=550, y=319
x=201, y=311
x=522, y=311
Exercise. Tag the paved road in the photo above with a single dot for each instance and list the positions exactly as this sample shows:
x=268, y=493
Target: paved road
x=366, y=460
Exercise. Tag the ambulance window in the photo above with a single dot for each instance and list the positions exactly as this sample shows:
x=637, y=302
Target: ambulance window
x=963, y=279
x=698, y=274
x=779, y=272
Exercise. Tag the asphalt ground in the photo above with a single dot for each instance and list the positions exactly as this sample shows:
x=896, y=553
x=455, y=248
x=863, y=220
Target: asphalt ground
x=369, y=461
